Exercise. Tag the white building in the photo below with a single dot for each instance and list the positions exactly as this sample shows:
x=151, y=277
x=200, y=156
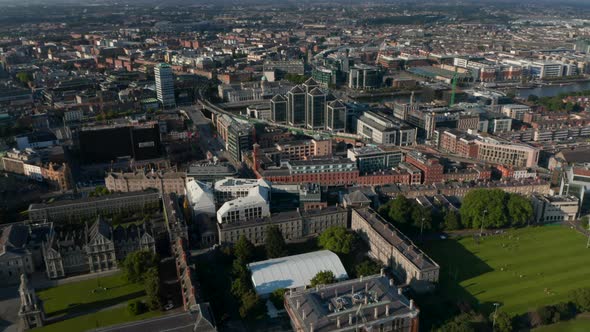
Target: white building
x=549, y=209
x=515, y=111
x=382, y=130
x=200, y=197
x=254, y=206
x=232, y=188
x=294, y=272
x=165, y=85
x=33, y=171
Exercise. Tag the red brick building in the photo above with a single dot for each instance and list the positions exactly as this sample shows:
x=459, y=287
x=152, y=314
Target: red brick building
x=432, y=170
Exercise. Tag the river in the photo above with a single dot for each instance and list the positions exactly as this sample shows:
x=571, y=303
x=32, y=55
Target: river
x=553, y=90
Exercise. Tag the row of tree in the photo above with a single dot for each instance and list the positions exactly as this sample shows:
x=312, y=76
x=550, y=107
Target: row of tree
x=544, y=315
x=143, y=267
x=494, y=207
x=251, y=306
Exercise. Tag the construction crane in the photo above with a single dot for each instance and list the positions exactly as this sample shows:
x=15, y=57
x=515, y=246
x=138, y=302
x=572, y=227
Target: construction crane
x=453, y=88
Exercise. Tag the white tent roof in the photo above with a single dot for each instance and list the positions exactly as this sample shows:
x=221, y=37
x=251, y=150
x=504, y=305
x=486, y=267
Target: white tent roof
x=294, y=271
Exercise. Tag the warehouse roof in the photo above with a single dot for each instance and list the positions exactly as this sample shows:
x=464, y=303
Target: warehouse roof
x=294, y=271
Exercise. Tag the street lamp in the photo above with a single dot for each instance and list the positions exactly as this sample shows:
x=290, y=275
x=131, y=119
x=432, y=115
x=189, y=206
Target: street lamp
x=482, y=220
x=421, y=229
x=496, y=304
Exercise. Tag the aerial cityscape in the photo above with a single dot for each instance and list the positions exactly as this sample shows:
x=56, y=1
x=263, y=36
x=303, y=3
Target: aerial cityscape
x=306, y=166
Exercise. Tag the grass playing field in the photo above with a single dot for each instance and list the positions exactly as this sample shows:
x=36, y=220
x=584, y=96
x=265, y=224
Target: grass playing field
x=86, y=304
x=520, y=269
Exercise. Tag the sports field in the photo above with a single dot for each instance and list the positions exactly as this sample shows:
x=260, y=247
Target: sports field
x=519, y=269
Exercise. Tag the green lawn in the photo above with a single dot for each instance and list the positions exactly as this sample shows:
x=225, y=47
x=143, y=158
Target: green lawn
x=89, y=309
x=520, y=269
x=580, y=324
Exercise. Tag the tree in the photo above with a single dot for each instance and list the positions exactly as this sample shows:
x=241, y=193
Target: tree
x=421, y=218
x=278, y=298
x=323, y=278
x=520, y=210
x=503, y=321
x=274, y=243
x=532, y=98
x=252, y=306
x=461, y=323
x=136, y=307
x=478, y=201
x=581, y=298
x=367, y=267
x=397, y=210
x=244, y=249
x=152, y=288
x=337, y=239
x=24, y=77
x=137, y=264
x=452, y=220
x=239, y=287
x=546, y=314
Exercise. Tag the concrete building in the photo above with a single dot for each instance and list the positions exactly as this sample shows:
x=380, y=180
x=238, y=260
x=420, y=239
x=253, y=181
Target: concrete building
x=550, y=209
x=381, y=130
x=165, y=85
x=506, y=153
x=372, y=158
x=392, y=248
x=515, y=111
x=369, y=303
x=164, y=181
x=16, y=256
x=296, y=106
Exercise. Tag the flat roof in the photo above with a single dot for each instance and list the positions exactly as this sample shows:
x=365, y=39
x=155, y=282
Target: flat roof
x=294, y=271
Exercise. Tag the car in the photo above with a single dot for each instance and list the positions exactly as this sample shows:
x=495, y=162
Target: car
x=443, y=237
x=168, y=306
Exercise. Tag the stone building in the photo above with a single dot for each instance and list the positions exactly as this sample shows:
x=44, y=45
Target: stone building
x=294, y=225
x=392, y=248
x=78, y=209
x=165, y=181
x=16, y=257
x=370, y=303
x=93, y=249
x=31, y=310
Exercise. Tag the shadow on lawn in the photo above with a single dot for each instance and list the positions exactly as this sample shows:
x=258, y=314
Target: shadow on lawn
x=457, y=264
x=77, y=309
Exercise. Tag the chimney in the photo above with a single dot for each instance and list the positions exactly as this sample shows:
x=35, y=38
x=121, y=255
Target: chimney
x=255, y=157
x=387, y=310
x=361, y=278
x=298, y=304
x=349, y=319
x=382, y=272
x=303, y=312
x=310, y=327
x=330, y=307
x=352, y=290
x=338, y=322
x=376, y=313
x=366, y=287
x=411, y=304
x=399, y=291
x=391, y=282
x=366, y=299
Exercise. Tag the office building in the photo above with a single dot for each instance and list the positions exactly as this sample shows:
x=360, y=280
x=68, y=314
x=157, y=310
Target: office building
x=382, y=130
x=278, y=109
x=316, y=109
x=506, y=153
x=165, y=85
x=515, y=111
x=551, y=209
x=336, y=116
x=369, y=303
x=296, y=105
x=372, y=158
x=364, y=77
x=255, y=205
